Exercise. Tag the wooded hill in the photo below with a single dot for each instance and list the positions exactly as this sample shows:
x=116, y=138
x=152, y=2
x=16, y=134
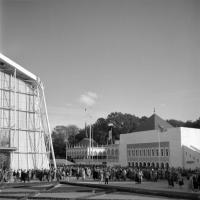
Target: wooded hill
x=122, y=123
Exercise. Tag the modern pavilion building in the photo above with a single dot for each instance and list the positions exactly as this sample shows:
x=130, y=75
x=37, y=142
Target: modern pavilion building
x=25, y=135
x=155, y=143
x=83, y=153
x=158, y=144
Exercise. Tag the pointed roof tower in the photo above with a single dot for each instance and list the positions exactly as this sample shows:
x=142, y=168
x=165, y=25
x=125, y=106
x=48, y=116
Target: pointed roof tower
x=154, y=123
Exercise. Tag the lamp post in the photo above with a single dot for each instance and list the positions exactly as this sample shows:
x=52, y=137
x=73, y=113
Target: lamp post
x=90, y=136
x=110, y=132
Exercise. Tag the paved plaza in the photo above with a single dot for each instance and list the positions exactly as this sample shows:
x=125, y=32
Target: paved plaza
x=91, y=190
x=59, y=191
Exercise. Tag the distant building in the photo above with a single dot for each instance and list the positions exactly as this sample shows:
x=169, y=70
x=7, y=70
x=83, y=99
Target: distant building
x=156, y=143
x=96, y=155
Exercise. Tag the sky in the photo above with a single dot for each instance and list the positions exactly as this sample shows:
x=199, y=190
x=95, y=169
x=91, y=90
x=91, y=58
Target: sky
x=128, y=56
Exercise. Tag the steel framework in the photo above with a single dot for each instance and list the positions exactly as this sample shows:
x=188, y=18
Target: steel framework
x=24, y=123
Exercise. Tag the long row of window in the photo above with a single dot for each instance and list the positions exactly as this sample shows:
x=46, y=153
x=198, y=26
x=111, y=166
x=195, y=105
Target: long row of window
x=148, y=152
x=81, y=152
x=148, y=164
x=191, y=157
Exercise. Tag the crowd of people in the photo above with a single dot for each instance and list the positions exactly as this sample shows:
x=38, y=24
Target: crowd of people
x=105, y=174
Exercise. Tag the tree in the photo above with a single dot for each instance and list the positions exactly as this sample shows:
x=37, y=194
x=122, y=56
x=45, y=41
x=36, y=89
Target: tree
x=196, y=124
x=176, y=123
x=100, y=131
x=69, y=131
x=123, y=123
x=143, y=119
x=189, y=124
x=60, y=138
x=59, y=144
x=79, y=136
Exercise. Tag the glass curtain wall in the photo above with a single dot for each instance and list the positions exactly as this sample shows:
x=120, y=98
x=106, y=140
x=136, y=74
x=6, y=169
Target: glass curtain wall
x=22, y=122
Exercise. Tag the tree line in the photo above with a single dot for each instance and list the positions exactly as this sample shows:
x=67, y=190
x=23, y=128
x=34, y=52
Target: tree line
x=121, y=123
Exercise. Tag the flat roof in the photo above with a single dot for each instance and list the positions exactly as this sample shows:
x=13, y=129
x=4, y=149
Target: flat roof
x=9, y=66
x=7, y=149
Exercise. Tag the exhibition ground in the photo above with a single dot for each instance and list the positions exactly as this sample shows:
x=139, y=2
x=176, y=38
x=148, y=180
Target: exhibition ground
x=95, y=190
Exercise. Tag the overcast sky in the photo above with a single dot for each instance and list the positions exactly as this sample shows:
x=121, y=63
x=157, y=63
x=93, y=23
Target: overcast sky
x=108, y=55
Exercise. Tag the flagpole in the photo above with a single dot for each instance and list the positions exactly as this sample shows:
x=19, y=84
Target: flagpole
x=159, y=147
x=86, y=135
x=90, y=146
x=92, y=143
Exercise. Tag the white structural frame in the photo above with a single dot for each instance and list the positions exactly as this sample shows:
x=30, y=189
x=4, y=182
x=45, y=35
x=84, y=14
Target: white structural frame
x=10, y=120
x=17, y=67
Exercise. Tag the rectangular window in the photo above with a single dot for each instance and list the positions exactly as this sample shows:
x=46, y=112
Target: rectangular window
x=157, y=152
x=166, y=152
x=152, y=151
x=136, y=152
x=162, y=152
x=129, y=153
x=144, y=152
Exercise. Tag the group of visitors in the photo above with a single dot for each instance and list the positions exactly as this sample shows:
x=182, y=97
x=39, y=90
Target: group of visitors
x=105, y=174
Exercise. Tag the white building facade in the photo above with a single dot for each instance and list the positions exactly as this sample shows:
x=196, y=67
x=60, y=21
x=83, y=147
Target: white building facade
x=173, y=147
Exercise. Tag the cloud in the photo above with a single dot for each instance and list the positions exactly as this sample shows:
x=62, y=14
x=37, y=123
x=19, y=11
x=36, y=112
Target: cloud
x=163, y=105
x=88, y=99
x=92, y=95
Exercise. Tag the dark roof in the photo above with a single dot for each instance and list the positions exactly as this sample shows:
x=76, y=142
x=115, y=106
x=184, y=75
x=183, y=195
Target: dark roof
x=154, y=123
x=86, y=142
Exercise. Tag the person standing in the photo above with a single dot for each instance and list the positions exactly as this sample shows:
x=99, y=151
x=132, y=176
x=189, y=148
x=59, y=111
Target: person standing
x=195, y=183
x=180, y=180
x=107, y=174
x=198, y=181
x=140, y=174
x=83, y=174
x=190, y=183
x=101, y=175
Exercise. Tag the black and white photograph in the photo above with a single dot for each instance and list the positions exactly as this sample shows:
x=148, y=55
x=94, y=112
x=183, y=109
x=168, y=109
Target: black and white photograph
x=100, y=99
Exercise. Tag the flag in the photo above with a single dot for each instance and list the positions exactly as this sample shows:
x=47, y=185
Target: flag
x=110, y=135
x=161, y=128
